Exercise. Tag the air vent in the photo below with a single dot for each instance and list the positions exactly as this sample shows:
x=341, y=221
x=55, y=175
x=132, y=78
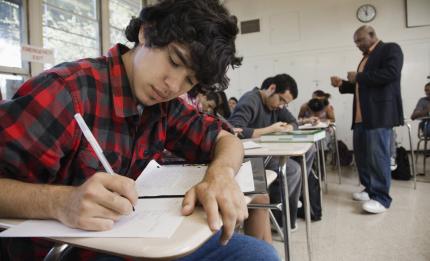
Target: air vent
x=250, y=26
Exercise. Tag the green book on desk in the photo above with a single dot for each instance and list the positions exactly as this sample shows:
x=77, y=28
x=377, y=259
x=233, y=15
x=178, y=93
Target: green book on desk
x=294, y=136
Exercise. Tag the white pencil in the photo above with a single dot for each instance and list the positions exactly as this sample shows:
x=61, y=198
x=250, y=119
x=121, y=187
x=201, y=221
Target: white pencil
x=93, y=142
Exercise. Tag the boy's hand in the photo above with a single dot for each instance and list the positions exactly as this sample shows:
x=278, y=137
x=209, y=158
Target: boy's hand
x=98, y=203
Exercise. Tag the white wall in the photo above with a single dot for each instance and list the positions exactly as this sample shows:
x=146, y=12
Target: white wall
x=312, y=40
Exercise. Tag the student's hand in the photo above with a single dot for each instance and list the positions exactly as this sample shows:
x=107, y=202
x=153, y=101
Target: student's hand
x=219, y=194
x=314, y=120
x=280, y=127
x=98, y=203
x=352, y=76
x=336, y=81
x=237, y=131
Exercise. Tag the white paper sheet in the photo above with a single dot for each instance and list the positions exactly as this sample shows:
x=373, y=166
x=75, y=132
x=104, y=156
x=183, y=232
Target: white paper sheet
x=309, y=126
x=158, y=180
x=251, y=145
x=153, y=218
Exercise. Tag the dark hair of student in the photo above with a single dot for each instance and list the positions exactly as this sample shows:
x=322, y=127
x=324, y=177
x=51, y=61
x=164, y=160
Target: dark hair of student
x=320, y=93
x=428, y=84
x=317, y=105
x=221, y=103
x=203, y=26
x=233, y=98
x=283, y=82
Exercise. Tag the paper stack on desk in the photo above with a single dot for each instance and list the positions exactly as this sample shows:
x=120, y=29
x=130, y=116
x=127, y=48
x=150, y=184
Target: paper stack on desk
x=294, y=136
x=176, y=180
x=309, y=126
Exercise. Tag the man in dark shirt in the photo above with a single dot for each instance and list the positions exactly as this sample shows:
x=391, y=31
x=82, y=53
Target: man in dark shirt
x=129, y=100
x=263, y=111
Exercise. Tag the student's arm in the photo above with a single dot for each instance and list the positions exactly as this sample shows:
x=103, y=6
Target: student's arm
x=95, y=205
x=330, y=113
x=37, y=132
x=218, y=192
x=421, y=110
x=302, y=111
x=276, y=127
x=286, y=116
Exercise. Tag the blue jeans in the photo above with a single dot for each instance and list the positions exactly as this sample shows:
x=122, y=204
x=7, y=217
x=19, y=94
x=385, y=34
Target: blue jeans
x=372, y=151
x=240, y=247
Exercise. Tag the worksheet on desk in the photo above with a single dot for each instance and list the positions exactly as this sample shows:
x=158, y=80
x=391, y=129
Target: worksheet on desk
x=153, y=218
x=309, y=126
x=157, y=180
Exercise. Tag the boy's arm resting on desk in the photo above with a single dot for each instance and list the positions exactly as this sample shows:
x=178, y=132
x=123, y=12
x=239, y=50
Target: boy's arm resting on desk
x=218, y=192
x=94, y=205
x=276, y=127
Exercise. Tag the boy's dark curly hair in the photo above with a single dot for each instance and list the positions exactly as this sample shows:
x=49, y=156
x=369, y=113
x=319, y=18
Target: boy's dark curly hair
x=204, y=26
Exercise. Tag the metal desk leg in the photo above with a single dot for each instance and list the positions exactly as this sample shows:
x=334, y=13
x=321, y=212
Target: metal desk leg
x=306, y=205
x=323, y=166
x=320, y=175
x=57, y=252
x=285, y=207
x=339, y=174
x=317, y=145
x=413, y=163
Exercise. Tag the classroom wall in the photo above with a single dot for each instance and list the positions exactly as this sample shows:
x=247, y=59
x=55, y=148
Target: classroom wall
x=312, y=40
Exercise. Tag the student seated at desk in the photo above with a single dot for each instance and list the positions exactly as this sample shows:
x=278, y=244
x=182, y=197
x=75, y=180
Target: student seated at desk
x=263, y=111
x=318, y=108
x=258, y=223
x=129, y=99
x=423, y=110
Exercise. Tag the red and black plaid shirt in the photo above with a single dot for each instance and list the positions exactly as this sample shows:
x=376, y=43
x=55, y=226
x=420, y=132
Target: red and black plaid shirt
x=40, y=142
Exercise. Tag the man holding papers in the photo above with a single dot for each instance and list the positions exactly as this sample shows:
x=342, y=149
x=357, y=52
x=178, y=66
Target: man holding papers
x=263, y=111
x=129, y=101
x=377, y=108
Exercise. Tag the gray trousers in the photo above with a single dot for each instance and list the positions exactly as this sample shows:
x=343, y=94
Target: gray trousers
x=294, y=182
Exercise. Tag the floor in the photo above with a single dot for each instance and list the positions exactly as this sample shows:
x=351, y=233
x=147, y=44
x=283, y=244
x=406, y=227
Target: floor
x=347, y=233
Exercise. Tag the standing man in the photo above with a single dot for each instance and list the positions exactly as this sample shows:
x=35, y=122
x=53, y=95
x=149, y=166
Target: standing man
x=377, y=108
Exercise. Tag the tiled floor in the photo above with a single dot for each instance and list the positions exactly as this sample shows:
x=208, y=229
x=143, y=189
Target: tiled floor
x=347, y=233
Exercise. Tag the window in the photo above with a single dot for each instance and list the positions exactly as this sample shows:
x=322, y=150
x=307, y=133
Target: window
x=9, y=84
x=11, y=33
x=71, y=28
x=120, y=13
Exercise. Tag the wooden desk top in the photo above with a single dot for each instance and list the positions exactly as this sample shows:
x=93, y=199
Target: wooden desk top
x=279, y=149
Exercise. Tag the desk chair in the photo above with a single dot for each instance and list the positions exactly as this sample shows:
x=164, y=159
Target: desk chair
x=423, y=137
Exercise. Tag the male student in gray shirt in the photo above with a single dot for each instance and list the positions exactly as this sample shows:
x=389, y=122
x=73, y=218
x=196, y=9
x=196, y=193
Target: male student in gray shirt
x=263, y=111
x=422, y=110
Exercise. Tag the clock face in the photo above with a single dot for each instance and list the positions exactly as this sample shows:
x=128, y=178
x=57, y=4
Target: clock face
x=366, y=13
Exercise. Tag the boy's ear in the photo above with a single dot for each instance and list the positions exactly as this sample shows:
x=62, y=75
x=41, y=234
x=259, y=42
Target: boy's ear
x=272, y=88
x=142, y=36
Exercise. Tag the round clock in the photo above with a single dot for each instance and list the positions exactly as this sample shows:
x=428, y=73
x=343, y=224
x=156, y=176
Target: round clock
x=366, y=13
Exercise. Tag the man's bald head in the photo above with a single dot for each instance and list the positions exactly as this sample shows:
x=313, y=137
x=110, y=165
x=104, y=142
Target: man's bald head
x=365, y=37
